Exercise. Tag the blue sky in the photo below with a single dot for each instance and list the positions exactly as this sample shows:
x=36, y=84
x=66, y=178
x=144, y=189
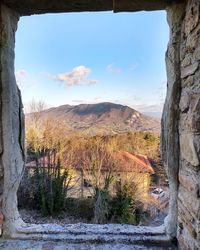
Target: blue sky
x=93, y=57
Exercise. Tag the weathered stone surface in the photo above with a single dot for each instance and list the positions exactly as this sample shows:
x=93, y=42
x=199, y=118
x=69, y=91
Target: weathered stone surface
x=190, y=84
x=186, y=241
x=195, y=103
x=12, y=157
x=186, y=61
x=188, y=149
x=138, y=5
x=29, y=7
x=187, y=81
x=180, y=125
x=1, y=223
x=91, y=233
x=192, y=16
x=190, y=181
x=190, y=117
x=187, y=200
x=184, y=103
x=192, y=40
x=197, y=53
x=186, y=165
x=52, y=245
x=187, y=45
x=170, y=134
x=189, y=70
x=184, y=218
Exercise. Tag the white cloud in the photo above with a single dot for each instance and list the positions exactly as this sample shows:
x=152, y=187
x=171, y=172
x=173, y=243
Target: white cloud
x=24, y=79
x=79, y=101
x=21, y=76
x=113, y=69
x=93, y=81
x=87, y=101
x=21, y=73
x=78, y=76
x=148, y=107
x=98, y=98
x=46, y=75
x=160, y=92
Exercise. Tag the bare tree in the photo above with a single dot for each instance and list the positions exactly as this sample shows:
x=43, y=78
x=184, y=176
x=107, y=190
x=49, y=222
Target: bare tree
x=46, y=142
x=35, y=109
x=97, y=165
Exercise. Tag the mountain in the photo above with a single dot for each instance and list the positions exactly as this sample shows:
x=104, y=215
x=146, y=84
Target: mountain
x=105, y=118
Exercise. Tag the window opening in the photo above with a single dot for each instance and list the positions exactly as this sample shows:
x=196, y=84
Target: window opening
x=72, y=164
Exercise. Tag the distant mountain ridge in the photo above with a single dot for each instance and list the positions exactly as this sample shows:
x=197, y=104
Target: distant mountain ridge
x=105, y=118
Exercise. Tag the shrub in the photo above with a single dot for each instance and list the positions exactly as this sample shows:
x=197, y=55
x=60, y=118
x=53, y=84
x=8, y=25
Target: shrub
x=52, y=188
x=45, y=189
x=80, y=208
x=123, y=208
x=28, y=192
x=102, y=206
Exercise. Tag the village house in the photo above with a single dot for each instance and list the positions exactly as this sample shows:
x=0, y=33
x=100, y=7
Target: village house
x=134, y=169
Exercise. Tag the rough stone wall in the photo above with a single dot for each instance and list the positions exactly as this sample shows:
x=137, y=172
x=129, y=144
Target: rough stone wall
x=189, y=130
x=180, y=121
x=181, y=124
x=30, y=7
x=170, y=134
x=11, y=126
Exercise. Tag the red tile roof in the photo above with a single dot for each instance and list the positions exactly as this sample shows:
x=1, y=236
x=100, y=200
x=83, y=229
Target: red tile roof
x=133, y=162
x=125, y=162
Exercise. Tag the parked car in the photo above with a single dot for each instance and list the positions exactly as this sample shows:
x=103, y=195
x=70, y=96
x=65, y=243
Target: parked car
x=158, y=193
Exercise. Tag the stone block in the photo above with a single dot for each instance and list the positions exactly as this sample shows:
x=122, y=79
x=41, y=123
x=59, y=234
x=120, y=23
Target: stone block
x=182, y=47
x=192, y=41
x=190, y=202
x=195, y=103
x=192, y=16
x=187, y=221
x=197, y=53
x=184, y=215
x=189, y=70
x=190, y=148
x=189, y=123
x=184, y=103
x=189, y=81
x=186, y=241
x=1, y=223
x=8, y=27
x=190, y=182
x=186, y=61
x=186, y=224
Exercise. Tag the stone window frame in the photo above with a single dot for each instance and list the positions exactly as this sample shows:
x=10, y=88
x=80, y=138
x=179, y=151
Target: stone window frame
x=12, y=125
